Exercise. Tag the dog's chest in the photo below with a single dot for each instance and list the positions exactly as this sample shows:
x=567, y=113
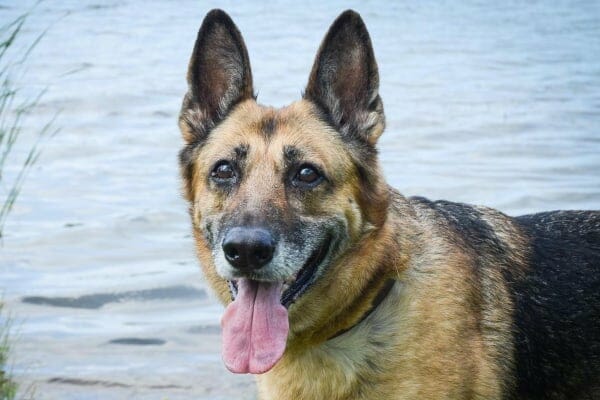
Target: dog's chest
x=351, y=366
x=329, y=372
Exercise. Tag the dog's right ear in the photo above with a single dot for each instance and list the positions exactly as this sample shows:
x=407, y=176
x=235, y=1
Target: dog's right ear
x=219, y=76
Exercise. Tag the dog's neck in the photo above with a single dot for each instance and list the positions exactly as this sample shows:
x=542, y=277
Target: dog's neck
x=385, y=290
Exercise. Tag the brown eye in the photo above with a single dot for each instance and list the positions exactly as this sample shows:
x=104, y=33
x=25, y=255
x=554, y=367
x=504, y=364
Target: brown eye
x=307, y=176
x=223, y=172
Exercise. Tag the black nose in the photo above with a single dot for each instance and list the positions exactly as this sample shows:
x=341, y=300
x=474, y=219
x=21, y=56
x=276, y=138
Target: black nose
x=248, y=248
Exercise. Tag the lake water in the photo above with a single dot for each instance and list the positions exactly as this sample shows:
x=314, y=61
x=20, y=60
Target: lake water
x=494, y=103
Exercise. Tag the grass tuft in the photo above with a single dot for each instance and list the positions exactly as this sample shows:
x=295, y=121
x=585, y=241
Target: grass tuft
x=14, y=109
x=8, y=388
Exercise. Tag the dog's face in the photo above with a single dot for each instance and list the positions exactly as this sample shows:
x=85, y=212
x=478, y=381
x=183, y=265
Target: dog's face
x=266, y=194
x=277, y=196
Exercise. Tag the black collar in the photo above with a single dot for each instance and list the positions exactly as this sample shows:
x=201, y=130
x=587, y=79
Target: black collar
x=387, y=287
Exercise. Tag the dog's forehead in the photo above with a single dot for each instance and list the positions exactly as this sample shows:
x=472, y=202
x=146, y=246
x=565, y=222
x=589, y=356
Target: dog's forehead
x=271, y=131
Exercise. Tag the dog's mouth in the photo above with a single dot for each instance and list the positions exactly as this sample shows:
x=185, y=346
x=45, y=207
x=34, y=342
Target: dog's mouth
x=255, y=325
x=306, y=276
x=297, y=285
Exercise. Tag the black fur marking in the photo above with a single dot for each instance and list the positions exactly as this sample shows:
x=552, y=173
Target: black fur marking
x=269, y=126
x=292, y=154
x=558, y=308
x=241, y=152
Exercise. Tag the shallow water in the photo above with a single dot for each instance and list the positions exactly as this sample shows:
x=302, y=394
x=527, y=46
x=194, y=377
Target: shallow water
x=494, y=103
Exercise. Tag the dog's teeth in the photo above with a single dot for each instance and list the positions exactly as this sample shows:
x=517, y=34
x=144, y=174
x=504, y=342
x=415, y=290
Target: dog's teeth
x=232, y=289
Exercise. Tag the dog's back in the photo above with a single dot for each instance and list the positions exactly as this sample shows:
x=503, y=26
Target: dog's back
x=551, y=269
x=557, y=308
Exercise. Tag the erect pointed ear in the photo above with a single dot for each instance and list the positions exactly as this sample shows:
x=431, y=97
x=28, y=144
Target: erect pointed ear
x=344, y=81
x=219, y=76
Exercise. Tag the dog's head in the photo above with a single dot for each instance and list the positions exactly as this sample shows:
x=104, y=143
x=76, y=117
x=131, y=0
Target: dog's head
x=278, y=196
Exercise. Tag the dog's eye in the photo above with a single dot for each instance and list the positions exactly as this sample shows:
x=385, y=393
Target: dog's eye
x=307, y=175
x=223, y=171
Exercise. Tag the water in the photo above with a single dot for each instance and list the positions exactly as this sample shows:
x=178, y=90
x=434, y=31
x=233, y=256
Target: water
x=494, y=103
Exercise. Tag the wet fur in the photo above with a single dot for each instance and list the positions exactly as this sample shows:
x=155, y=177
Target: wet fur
x=485, y=306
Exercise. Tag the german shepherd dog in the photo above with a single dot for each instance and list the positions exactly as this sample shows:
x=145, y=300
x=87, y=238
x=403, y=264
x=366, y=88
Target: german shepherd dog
x=338, y=287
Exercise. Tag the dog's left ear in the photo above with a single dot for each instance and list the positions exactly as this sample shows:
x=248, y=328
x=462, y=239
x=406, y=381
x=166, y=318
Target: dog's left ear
x=344, y=81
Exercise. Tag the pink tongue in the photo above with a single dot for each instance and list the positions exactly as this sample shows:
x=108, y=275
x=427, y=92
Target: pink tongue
x=255, y=328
